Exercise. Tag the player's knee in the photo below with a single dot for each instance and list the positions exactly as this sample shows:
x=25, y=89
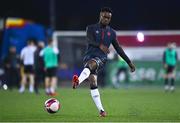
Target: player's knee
x=93, y=86
x=91, y=65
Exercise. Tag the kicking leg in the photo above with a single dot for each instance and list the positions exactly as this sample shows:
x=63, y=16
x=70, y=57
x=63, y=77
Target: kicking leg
x=90, y=66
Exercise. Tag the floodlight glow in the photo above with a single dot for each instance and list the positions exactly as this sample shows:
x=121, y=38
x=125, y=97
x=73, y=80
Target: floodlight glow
x=140, y=36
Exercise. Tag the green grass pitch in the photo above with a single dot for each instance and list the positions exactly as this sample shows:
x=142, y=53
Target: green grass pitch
x=134, y=104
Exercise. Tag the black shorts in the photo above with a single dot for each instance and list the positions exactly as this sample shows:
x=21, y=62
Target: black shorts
x=100, y=63
x=170, y=69
x=51, y=72
x=28, y=69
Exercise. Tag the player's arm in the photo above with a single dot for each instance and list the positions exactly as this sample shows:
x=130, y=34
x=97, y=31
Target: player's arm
x=56, y=51
x=121, y=52
x=41, y=53
x=176, y=56
x=22, y=54
x=18, y=61
x=164, y=60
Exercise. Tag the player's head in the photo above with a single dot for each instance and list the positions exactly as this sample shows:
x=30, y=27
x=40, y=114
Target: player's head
x=171, y=45
x=105, y=16
x=31, y=42
x=50, y=42
x=41, y=44
x=12, y=49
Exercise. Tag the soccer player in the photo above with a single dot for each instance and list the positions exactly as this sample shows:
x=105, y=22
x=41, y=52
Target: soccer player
x=27, y=56
x=50, y=57
x=99, y=37
x=170, y=60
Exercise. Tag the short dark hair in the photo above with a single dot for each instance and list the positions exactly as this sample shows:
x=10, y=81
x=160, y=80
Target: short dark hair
x=31, y=40
x=106, y=9
x=50, y=40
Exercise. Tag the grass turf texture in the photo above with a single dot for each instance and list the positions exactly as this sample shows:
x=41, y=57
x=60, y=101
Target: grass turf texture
x=136, y=104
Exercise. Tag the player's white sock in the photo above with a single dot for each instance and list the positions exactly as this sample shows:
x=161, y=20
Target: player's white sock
x=22, y=89
x=172, y=88
x=97, y=100
x=47, y=90
x=31, y=88
x=52, y=90
x=84, y=75
x=166, y=88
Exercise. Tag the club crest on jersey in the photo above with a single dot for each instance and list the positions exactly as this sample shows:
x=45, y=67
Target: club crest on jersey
x=97, y=32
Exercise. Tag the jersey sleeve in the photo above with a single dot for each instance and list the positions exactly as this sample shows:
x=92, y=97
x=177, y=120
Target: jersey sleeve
x=90, y=36
x=119, y=49
x=114, y=35
x=22, y=53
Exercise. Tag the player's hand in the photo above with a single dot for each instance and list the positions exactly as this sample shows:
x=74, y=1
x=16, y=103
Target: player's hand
x=132, y=67
x=104, y=49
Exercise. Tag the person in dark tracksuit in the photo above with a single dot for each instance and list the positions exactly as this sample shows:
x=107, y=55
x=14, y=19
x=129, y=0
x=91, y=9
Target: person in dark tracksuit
x=99, y=37
x=170, y=58
x=12, y=68
x=38, y=67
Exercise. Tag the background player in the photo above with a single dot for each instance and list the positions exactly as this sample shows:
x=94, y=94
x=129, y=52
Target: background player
x=27, y=56
x=170, y=60
x=99, y=38
x=50, y=57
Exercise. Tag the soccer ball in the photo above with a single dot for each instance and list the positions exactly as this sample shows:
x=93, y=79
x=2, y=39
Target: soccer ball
x=52, y=105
